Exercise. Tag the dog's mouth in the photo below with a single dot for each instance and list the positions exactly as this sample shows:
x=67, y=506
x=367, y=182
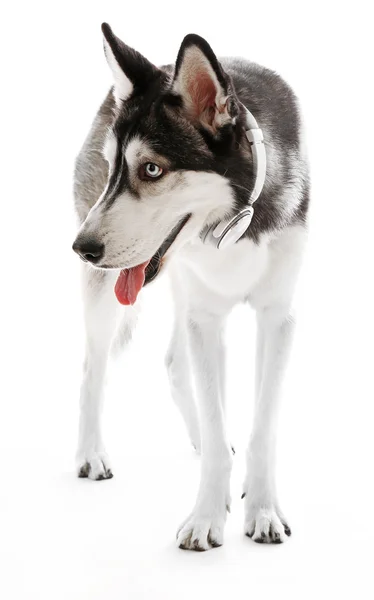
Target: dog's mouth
x=130, y=281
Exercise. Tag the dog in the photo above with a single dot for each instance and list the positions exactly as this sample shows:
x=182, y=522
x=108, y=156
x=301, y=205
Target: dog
x=166, y=168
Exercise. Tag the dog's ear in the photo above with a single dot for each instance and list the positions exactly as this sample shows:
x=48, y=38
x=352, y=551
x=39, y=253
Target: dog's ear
x=131, y=71
x=205, y=89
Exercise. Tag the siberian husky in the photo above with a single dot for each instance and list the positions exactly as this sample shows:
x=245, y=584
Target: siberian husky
x=164, y=177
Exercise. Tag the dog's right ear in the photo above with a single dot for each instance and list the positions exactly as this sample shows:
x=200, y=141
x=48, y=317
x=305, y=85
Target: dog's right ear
x=131, y=71
x=206, y=91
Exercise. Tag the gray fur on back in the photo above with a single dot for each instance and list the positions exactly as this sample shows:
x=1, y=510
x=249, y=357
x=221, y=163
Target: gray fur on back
x=91, y=169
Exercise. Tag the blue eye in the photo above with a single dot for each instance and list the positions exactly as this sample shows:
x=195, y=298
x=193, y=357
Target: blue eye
x=151, y=170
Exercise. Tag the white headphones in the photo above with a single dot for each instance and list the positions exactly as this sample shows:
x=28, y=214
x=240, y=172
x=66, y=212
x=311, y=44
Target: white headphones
x=227, y=233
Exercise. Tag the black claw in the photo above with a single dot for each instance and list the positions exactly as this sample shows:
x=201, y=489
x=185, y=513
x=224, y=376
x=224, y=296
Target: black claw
x=103, y=476
x=196, y=547
x=275, y=537
x=287, y=530
x=259, y=540
x=250, y=535
x=186, y=542
x=86, y=468
x=233, y=450
x=84, y=471
x=243, y=496
x=213, y=542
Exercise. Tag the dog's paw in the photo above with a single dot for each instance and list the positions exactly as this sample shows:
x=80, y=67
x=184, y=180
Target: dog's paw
x=266, y=525
x=94, y=465
x=201, y=533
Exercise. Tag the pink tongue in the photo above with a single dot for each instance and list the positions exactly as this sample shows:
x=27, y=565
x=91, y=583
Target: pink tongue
x=129, y=283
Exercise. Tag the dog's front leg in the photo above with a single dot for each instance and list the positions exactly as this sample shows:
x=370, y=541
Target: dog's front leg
x=203, y=529
x=180, y=378
x=264, y=522
x=101, y=317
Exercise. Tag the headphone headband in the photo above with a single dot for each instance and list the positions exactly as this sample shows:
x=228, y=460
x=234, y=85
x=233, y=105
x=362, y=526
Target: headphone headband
x=227, y=233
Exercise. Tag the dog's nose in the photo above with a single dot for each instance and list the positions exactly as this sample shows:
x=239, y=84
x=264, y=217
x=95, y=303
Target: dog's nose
x=89, y=250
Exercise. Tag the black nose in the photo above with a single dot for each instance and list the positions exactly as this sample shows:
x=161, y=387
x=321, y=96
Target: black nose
x=89, y=250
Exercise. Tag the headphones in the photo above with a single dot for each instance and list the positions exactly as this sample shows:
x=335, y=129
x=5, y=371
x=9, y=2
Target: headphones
x=227, y=233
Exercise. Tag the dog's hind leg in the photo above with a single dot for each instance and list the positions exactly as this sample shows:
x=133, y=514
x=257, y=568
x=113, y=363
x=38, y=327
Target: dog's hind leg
x=264, y=522
x=180, y=377
x=102, y=315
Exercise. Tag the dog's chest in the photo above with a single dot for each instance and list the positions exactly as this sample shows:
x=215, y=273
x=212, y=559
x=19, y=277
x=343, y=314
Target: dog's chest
x=232, y=273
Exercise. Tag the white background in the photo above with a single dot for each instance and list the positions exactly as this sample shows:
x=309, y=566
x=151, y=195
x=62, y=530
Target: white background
x=65, y=538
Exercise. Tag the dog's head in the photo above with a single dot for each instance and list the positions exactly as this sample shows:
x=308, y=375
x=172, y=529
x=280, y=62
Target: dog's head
x=176, y=152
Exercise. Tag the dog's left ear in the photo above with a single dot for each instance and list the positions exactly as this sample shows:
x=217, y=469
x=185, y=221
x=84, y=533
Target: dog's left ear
x=199, y=79
x=132, y=72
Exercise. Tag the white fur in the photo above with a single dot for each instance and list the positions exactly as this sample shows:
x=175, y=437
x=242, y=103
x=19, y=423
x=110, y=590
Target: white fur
x=134, y=149
x=104, y=326
x=207, y=283
x=101, y=312
x=110, y=148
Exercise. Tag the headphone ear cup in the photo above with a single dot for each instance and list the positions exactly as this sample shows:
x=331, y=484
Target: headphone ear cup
x=237, y=229
x=226, y=234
